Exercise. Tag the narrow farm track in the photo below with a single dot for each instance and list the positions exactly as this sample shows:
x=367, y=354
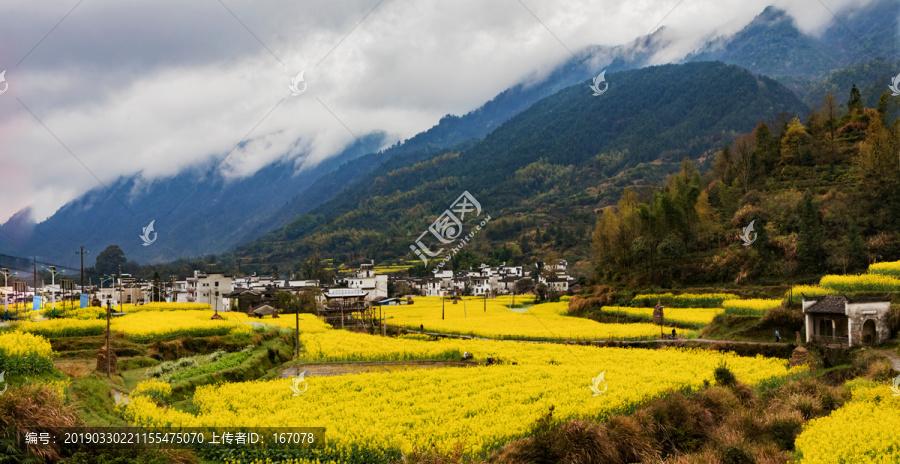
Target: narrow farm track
x=628, y=342
x=357, y=368
x=895, y=360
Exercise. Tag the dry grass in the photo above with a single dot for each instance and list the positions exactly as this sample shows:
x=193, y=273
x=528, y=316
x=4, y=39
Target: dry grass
x=76, y=368
x=35, y=408
x=727, y=425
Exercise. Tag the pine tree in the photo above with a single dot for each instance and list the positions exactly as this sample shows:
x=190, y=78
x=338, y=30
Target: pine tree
x=855, y=101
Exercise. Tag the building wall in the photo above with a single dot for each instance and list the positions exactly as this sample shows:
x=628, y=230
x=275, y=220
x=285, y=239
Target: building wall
x=859, y=313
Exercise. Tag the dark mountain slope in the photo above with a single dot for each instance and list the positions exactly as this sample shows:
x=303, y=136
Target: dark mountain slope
x=551, y=162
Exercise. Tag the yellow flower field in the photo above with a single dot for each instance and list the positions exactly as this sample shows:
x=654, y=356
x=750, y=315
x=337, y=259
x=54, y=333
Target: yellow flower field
x=23, y=353
x=695, y=316
x=381, y=412
x=797, y=292
x=55, y=328
x=890, y=268
x=750, y=307
x=687, y=300
x=860, y=283
x=865, y=430
x=545, y=321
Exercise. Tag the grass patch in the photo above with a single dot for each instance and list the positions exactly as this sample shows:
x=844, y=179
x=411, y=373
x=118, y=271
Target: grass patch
x=95, y=403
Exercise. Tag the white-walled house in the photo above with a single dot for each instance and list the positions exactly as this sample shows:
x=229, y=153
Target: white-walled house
x=365, y=279
x=838, y=319
x=211, y=287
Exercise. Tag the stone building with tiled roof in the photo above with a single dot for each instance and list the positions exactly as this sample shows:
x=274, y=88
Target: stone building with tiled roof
x=845, y=321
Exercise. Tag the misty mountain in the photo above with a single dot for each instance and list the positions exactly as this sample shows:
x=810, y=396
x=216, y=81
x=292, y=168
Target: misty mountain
x=772, y=44
x=195, y=212
x=556, y=162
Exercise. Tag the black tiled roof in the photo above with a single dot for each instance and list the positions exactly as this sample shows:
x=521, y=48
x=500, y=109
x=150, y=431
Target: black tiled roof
x=830, y=304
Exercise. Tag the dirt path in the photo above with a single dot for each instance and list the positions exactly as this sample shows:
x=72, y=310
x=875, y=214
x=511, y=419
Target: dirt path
x=895, y=360
x=356, y=368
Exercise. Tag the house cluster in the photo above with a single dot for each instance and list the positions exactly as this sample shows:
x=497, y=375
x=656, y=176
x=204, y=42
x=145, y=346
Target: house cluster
x=489, y=280
x=224, y=292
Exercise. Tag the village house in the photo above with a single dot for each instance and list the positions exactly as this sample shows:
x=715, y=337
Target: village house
x=845, y=321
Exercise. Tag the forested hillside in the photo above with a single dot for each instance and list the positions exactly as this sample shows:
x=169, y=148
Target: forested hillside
x=823, y=195
x=542, y=175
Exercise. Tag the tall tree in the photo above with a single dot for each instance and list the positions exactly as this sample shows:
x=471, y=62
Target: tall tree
x=854, y=103
x=109, y=260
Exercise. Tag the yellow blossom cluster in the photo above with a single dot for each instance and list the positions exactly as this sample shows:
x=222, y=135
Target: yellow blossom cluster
x=865, y=430
x=889, y=268
x=750, y=307
x=485, y=406
x=694, y=316
x=24, y=353
x=492, y=319
x=861, y=283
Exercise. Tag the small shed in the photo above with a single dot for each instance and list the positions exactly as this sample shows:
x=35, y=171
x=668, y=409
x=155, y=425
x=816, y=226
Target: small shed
x=845, y=321
x=265, y=310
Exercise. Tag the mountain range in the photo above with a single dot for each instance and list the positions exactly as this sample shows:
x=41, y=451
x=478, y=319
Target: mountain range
x=209, y=214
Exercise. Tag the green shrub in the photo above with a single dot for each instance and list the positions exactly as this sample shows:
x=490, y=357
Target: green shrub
x=723, y=375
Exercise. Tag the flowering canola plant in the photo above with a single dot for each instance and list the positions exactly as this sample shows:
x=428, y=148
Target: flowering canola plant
x=750, y=307
x=695, y=316
x=145, y=326
x=686, y=300
x=797, y=292
x=890, y=268
x=492, y=319
x=370, y=417
x=24, y=353
x=861, y=283
x=865, y=430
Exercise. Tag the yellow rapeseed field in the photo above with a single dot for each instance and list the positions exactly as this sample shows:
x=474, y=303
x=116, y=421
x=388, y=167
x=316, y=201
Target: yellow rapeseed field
x=484, y=406
x=24, y=353
x=686, y=300
x=797, y=292
x=695, y=316
x=750, y=307
x=865, y=430
x=890, y=268
x=860, y=283
x=546, y=321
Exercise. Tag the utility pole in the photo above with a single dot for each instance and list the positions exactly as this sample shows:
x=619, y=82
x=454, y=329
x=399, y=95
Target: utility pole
x=82, y=252
x=6, y=275
x=121, y=289
x=442, y=306
x=485, y=301
x=108, y=361
x=34, y=293
x=53, y=284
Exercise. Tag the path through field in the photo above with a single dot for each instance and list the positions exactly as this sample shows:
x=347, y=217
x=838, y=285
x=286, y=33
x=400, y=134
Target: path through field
x=895, y=360
x=356, y=368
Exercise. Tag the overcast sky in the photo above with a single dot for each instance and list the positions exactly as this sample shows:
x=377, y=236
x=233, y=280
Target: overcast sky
x=99, y=89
